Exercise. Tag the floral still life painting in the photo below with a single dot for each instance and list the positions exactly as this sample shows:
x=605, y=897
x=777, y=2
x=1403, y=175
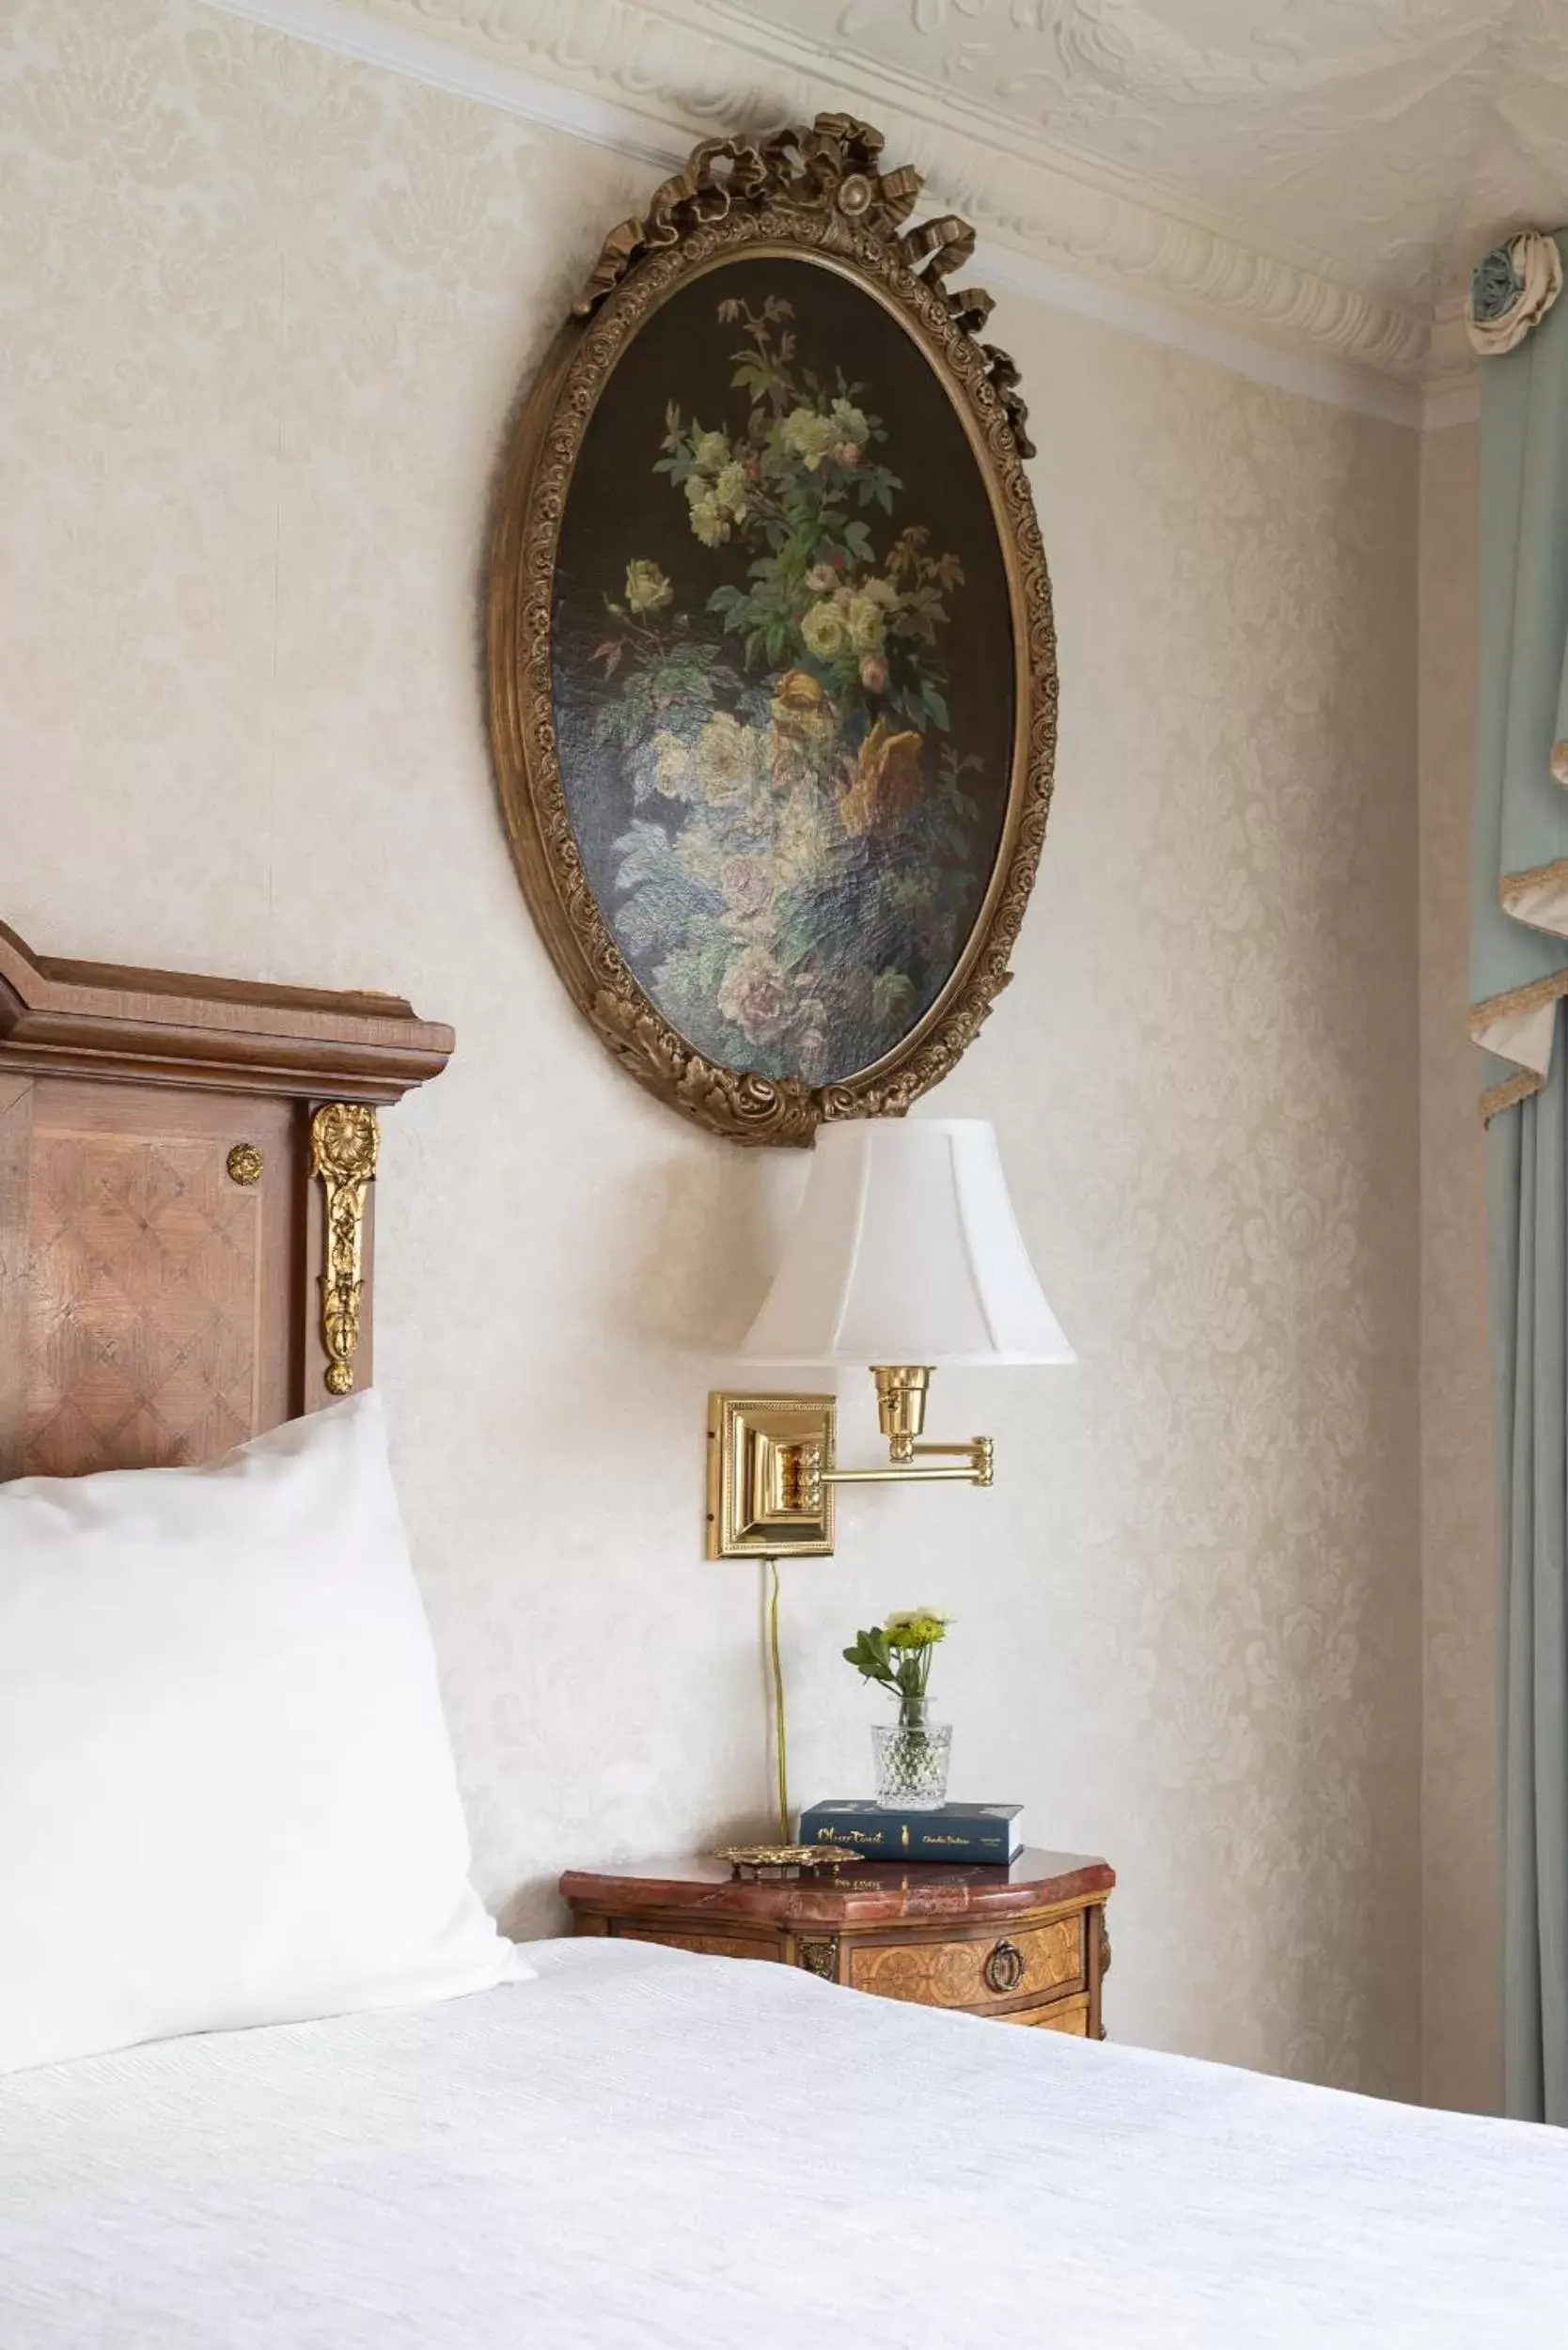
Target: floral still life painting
x=784, y=683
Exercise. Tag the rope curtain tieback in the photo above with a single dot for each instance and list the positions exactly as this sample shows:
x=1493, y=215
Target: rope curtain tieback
x=1512, y=289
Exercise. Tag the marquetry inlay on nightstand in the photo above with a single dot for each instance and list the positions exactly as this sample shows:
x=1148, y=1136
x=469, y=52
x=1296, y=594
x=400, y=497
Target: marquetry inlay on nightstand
x=1025, y=1945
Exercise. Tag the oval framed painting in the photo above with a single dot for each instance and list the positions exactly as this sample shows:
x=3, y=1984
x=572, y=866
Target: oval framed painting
x=772, y=667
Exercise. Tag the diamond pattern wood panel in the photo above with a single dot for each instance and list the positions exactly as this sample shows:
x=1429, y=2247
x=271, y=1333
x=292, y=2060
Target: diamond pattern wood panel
x=162, y=1241
x=143, y=1303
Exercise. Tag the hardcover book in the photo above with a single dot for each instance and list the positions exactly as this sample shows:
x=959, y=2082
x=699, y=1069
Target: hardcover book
x=964, y=1832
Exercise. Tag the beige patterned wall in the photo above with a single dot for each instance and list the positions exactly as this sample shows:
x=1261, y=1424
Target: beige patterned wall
x=1460, y=1938
x=261, y=313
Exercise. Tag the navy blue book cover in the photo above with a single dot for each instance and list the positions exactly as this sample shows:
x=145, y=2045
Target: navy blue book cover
x=991, y=1832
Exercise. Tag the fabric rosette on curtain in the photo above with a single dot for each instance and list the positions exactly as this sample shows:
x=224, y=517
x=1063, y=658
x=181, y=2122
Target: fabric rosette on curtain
x=1519, y=983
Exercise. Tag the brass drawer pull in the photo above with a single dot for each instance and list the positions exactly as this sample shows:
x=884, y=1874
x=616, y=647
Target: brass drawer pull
x=1004, y=1968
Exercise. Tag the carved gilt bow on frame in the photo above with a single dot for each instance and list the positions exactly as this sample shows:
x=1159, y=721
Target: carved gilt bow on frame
x=832, y=167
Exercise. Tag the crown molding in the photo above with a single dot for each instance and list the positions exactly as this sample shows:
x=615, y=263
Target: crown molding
x=645, y=78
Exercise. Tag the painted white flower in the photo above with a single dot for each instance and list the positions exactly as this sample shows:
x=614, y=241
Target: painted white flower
x=731, y=758
x=674, y=768
x=719, y=764
x=710, y=451
x=850, y=422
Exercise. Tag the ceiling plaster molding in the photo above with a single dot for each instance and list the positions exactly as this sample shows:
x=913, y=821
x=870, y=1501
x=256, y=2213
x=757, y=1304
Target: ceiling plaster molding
x=647, y=80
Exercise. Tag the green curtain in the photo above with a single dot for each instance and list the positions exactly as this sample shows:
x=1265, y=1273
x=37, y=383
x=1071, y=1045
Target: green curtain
x=1519, y=979
x=1527, y=1201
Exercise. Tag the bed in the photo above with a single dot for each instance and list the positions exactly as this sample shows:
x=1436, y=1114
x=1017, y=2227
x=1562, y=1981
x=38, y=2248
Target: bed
x=642, y=2148
x=636, y=2146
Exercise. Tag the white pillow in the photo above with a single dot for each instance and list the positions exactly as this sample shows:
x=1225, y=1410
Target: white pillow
x=227, y=1795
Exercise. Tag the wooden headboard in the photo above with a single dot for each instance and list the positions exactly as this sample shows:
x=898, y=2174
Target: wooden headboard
x=186, y=1179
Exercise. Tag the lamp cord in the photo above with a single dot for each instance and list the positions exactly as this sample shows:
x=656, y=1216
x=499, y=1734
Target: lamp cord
x=779, y=1735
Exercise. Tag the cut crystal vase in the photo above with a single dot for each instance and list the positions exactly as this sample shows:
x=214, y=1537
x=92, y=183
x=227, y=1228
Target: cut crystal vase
x=911, y=1764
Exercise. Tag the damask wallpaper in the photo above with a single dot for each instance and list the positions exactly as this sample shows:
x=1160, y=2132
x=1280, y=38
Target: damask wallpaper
x=262, y=311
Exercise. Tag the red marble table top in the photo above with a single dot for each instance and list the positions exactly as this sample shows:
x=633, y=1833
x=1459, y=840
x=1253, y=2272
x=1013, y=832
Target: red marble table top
x=870, y=1892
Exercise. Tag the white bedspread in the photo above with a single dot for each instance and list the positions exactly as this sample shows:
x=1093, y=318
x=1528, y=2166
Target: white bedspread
x=641, y=2147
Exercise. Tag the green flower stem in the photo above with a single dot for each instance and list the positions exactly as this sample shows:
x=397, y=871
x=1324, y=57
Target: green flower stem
x=780, y=1736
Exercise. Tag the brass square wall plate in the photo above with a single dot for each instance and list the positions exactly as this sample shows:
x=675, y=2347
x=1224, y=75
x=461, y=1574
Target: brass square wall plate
x=754, y=1506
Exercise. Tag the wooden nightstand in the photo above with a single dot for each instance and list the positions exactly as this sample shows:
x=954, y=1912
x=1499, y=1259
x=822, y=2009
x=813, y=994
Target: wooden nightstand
x=1026, y=1945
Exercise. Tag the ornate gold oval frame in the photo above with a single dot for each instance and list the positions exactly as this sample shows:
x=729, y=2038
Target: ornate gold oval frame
x=818, y=194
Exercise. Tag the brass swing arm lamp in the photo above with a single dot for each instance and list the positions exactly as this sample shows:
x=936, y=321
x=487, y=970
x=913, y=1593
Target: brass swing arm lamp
x=906, y=1235
x=901, y=1404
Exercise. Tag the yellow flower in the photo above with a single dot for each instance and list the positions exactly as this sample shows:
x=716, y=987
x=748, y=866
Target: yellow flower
x=915, y=1627
x=709, y=451
x=864, y=620
x=825, y=631
x=730, y=490
x=808, y=436
x=710, y=522
x=647, y=589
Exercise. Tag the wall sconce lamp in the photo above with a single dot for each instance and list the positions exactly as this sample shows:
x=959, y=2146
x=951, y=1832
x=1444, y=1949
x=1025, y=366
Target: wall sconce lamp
x=906, y=1256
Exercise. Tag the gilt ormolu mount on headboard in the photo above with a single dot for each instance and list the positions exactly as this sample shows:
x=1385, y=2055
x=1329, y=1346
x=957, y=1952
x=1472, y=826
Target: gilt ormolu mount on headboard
x=772, y=680
x=171, y=1278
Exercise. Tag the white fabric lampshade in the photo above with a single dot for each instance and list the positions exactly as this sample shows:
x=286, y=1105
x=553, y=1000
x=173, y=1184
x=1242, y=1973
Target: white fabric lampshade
x=906, y=1250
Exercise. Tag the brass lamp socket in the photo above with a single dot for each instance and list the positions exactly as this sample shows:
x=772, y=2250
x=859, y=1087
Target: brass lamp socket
x=900, y=1405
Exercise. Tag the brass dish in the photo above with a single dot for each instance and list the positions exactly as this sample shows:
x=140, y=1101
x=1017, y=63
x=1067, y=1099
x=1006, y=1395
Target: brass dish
x=778, y=1864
